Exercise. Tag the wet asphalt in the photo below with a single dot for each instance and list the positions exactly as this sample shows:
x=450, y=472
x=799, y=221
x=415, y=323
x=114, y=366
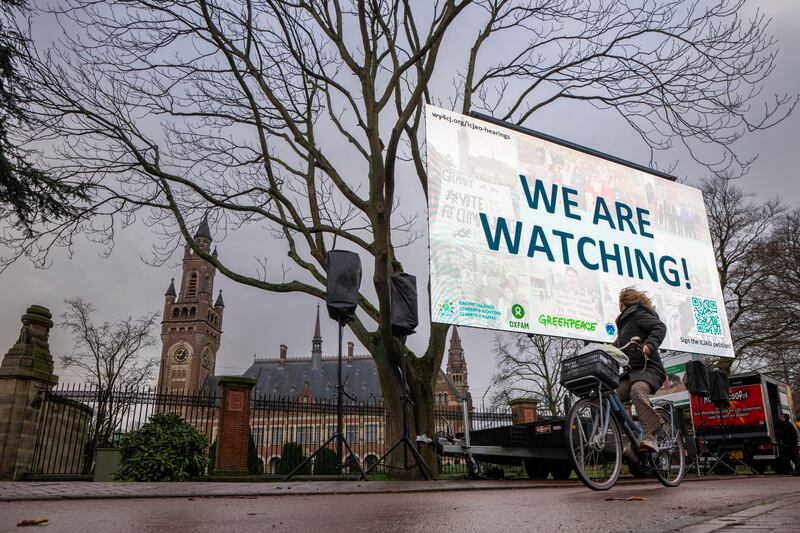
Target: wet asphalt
x=575, y=508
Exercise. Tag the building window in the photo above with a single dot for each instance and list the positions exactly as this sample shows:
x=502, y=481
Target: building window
x=191, y=289
x=352, y=434
x=371, y=432
x=258, y=436
x=277, y=437
x=303, y=435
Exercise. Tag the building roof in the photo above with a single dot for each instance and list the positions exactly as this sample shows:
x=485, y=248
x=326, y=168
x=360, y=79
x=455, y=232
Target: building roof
x=360, y=378
x=219, y=302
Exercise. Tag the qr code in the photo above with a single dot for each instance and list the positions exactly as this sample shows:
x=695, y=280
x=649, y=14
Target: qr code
x=706, y=316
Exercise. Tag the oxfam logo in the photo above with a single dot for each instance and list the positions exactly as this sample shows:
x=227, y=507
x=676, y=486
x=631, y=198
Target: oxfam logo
x=610, y=328
x=518, y=311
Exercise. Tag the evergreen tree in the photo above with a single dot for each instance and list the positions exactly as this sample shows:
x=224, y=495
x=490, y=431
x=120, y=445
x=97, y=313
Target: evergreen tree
x=27, y=194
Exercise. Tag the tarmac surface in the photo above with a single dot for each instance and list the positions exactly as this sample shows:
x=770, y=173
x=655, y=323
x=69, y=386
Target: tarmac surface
x=769, y=503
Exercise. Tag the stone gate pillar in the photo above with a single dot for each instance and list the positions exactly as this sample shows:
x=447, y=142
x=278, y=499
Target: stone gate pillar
x=524, y=410
x=26, y=374
x=234, y=426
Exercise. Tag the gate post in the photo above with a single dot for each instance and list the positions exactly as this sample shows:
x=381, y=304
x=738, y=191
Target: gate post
x=26, y=374
x=524, y=410
x=234, y=426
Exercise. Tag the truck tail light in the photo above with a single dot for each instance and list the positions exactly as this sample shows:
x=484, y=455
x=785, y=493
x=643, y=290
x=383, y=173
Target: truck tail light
x=764, y=447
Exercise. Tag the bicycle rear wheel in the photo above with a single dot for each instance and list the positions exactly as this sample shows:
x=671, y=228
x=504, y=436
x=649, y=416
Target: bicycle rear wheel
x=596, y=453
x=669, y=465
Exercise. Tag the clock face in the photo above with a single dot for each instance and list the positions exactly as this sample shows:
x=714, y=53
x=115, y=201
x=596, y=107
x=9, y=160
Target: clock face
x=181, y=355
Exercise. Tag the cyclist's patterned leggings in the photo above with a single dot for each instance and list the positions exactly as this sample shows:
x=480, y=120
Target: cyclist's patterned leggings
x=639, y=393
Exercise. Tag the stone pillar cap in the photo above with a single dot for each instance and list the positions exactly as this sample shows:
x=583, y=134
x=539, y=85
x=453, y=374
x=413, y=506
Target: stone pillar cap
x=517, y=401
x=38, y=313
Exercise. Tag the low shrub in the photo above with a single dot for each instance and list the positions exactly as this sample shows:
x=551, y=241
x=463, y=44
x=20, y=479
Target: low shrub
x=166, y=448
x=291, y=458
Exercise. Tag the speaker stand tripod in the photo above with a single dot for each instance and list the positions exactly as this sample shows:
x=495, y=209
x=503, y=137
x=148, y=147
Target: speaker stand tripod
x=339, y=436
x=405, y=441
x=726, y=458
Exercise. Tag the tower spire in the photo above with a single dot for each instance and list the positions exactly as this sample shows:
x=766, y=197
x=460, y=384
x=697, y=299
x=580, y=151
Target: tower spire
x=203, y=230
x=455, y=340
x=316, y=344
x=171, y=289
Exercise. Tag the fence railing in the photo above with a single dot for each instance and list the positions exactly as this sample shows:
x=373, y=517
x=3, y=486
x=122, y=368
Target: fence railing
x=77, y=420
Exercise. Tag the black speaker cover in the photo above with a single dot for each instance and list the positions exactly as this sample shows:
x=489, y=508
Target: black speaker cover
x=718, y=388
x=697, y=378
x=404, y=304
x=344, y=280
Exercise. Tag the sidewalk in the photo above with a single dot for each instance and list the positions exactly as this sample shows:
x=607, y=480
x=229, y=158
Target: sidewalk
x=45, y=490
x=81, y=490
x=780, y=516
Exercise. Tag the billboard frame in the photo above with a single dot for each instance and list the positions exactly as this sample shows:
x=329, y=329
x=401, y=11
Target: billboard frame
x=572, y=145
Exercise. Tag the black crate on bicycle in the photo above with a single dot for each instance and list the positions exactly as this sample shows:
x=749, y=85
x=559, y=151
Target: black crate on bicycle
x=579, y=374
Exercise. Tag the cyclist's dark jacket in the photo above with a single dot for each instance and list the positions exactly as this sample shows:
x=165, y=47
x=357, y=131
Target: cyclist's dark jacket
x=639, y=321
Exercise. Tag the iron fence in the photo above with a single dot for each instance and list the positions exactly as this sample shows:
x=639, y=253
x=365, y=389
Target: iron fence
x=77, y=420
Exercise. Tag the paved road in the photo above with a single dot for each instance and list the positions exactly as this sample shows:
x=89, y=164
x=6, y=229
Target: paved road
x=535, y=509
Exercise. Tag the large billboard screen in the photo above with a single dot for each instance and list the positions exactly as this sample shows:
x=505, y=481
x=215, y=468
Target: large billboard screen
x=529, y=234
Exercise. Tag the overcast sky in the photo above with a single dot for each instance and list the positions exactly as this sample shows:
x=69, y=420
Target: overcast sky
x=256, y=322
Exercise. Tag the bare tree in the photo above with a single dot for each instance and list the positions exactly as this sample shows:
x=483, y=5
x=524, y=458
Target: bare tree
x=110, y=357
x=306, y=117
x=530, y=365
x=741, y=229
x=781, y=357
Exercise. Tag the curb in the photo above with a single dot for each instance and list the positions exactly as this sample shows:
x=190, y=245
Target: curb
x=740, y=518
x=255, y=490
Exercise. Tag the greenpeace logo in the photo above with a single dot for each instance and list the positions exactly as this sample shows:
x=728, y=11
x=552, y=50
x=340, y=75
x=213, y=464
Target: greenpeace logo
x=566, y=322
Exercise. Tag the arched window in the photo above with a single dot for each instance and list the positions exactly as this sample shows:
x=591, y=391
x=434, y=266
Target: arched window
x=185, y=312
x=176, y=312
x=193, y=312
x=370, y=461
x=191, y=287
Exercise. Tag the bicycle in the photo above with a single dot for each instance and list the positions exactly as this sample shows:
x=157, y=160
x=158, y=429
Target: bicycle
x=594, y=437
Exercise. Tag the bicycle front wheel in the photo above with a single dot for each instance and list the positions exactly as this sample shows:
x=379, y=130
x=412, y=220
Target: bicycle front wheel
x=594, y=444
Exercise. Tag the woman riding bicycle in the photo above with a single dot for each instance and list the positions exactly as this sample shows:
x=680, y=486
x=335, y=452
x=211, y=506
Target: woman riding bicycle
x=644, y=373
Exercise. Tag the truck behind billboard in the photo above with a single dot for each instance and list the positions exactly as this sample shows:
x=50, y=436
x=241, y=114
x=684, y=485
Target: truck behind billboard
x=746, y=414
x=530, y=234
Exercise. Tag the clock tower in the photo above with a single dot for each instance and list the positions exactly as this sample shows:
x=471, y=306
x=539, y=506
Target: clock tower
x=192, y=326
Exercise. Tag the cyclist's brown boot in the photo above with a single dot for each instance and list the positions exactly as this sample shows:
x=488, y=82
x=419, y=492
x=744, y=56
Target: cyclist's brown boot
x=648, y=444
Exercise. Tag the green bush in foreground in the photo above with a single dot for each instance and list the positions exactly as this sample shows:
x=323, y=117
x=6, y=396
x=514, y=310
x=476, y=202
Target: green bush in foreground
x=165, y=449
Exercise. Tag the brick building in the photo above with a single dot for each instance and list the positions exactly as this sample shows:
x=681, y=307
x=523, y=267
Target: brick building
x=191, y=333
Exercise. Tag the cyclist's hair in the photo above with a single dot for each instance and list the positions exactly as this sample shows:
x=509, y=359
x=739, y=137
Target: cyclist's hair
x=632, y=296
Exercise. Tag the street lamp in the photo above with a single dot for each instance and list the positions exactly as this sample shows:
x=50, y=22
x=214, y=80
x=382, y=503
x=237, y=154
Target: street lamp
x=483, y=406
